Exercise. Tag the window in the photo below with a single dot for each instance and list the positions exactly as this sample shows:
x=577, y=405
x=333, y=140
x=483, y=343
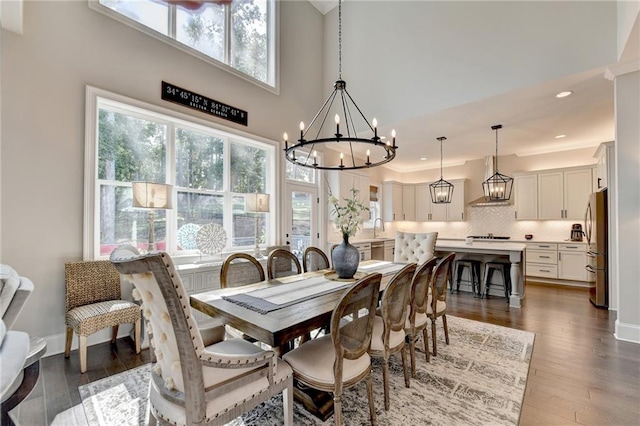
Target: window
x=239, y=34
x=210, y=170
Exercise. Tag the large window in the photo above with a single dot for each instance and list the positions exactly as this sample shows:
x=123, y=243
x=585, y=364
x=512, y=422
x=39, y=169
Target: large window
x=210, y=171
x=239, y=33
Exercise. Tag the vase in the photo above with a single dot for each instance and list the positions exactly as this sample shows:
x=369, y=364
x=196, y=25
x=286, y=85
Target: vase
x=345, y=258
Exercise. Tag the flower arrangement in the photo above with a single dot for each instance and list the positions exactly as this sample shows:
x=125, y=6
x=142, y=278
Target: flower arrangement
x=347, y=217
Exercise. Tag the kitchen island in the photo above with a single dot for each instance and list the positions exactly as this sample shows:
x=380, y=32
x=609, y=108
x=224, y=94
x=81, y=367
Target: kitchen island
x=512, y=251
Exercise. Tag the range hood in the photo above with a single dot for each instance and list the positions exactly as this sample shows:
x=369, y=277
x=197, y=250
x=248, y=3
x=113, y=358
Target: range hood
x=489, y=170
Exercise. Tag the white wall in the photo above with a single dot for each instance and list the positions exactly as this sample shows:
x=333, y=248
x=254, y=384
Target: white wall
x=628, y=15
x=66, y=46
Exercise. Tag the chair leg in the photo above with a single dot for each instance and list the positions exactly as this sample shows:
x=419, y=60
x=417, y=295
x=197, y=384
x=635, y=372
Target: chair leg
x=433, y=336
x=425, y=341
x=446, y=329
x=114, y=333
x=372, y=407
x=407, y=379
x=385, y=381
x=337, y=408
x=82, y=350
x=287, y=404
x=67, y=344
x=136, y=335
x=412, y=354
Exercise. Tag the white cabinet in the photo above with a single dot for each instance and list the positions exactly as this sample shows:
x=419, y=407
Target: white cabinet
x=562, y=194
x=526, y=196
x=572, y=261
x=364, y=249
x=399, y=201
x=428, y=211
x=408, y=202
x=341, y=184
x=389, y=250
x=605, y=156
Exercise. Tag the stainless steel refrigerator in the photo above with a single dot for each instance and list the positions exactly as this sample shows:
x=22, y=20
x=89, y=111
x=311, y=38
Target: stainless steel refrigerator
x=595, y=223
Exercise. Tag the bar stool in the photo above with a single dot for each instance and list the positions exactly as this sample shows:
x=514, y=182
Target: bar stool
x=474, y=275
x=489, y=269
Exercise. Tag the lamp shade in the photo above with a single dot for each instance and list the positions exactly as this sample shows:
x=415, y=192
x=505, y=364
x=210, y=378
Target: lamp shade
x=256, y=203
x=152, y=195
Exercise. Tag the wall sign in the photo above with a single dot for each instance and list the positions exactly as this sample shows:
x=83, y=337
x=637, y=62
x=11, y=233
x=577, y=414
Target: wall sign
x=202, y=103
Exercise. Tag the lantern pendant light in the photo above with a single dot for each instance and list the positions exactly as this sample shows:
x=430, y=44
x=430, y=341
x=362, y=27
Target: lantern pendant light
x=498, y=187
x=441, y=190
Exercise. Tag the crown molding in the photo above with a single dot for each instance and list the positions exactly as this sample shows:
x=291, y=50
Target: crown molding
x=620, y=69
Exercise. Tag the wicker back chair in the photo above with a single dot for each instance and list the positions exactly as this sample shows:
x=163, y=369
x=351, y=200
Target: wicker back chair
x=438, y=302
x=282, y=263
x=240, y=269
x=93, y=303
x=340, y=360
x=314, y=259
x=194, y=384
x=417, y=319
x=388, y=333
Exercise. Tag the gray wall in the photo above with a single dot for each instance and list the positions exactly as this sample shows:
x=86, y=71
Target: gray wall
x=66, y=46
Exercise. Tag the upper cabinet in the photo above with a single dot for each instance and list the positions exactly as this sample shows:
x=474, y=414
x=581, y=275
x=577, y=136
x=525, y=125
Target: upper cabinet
x=553, y=194
x=417, y=205
x=604, y=154
x=341, y=184
x=399, y=201
x=408, y=202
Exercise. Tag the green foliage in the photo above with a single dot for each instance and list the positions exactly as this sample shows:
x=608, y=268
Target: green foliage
x=347, y=217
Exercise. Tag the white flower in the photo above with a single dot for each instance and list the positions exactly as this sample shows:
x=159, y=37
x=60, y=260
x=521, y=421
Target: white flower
x=347, y=217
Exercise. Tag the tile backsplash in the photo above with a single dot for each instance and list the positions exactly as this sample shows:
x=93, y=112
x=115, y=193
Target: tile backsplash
x=498, y=220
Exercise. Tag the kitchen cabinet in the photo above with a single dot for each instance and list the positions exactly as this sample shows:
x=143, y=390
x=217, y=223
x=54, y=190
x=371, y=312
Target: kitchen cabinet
x=399, y=201
x=572, y=261
x=389, y=250
x=428, y=211
x=605, y=157
x=542, y=260
x=525, y=190
x=563, y=194
x=341, y=184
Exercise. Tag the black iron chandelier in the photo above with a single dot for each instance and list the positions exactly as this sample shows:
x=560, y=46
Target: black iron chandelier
x=441, y=190
x=303, y=152
x=498, y=187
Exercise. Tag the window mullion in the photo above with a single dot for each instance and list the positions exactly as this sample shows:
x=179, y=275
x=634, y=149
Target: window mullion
x=171, y=25
x=227, y=34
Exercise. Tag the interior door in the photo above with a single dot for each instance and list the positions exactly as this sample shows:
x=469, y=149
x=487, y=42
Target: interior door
x=301, y=228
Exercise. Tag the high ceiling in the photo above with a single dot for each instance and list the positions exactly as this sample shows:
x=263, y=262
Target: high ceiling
x=532, y=118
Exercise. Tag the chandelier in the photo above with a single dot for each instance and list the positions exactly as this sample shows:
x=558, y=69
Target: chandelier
x=303, y=151
x=441, y=190
x=498, y=187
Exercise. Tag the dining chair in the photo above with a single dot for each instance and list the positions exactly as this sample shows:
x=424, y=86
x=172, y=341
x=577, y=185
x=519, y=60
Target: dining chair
x=282, y=263
x=240, y=269
x=196, y=380
x=340, y=359
x=314, y=259
x=417, y=319
x=438, y=300
x=388, y=336
x=93, y=302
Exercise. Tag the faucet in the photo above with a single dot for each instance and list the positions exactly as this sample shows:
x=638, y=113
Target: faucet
x=374, y=225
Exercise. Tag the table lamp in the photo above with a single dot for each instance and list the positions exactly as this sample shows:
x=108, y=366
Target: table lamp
x=256, y=203
x=152, y=196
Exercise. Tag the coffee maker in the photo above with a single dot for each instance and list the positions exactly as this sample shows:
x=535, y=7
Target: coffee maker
x=576, y=232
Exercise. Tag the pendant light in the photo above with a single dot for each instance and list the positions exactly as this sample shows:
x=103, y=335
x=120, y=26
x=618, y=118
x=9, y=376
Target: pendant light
x=441, y=190
x=498, y=187
x=303, y=152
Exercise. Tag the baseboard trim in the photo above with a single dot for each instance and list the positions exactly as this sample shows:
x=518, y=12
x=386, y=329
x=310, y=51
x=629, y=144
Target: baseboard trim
x=627, y=332
x=568, y=283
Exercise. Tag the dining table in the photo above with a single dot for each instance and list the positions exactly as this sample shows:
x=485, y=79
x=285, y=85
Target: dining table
x=277, y=311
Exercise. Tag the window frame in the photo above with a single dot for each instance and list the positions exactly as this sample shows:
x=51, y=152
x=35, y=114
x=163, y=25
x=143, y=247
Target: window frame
x=273, y=42
x=95, y=98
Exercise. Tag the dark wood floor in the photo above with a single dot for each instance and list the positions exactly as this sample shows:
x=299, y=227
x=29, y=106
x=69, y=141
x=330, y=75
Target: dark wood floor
x=579, y=374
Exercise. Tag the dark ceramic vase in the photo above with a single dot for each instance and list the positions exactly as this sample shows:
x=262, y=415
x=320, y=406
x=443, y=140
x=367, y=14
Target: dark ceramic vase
x=345, y=258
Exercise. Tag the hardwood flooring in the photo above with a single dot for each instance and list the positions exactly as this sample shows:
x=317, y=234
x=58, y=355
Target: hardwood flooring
x=579, y=373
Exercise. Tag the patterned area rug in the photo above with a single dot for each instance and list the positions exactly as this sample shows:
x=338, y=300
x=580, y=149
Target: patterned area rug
x=479, y=378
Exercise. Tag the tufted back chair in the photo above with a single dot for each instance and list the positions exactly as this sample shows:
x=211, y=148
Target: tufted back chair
x=416, y=248
x=191, y=383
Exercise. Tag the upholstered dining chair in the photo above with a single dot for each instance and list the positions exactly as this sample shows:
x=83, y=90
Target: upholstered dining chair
x=240, y=269
x=417, y=320
x=194, y=381
x=314, y=259
x=93, y=302
x=340, y=359
x=414, y=247
x=282, y=263
x=438, y=299
x=388, y=336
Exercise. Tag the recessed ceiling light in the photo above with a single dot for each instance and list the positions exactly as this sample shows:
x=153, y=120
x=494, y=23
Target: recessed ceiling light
x=564, y=94
x=423, y=158
x=560, y=136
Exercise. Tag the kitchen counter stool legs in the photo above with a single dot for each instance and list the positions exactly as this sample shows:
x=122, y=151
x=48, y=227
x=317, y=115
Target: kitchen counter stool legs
x=473, y=267
x=489, y=269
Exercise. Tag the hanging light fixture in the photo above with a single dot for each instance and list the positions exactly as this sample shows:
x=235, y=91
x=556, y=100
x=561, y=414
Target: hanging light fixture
x=303, y=152
x=498, y=187
x=441, y=190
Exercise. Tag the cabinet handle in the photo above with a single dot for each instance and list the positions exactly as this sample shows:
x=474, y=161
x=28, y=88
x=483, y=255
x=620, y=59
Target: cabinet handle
x=516, y=214
x=404, y=216
x=462, y=216
x=394, y=216
x=545, y=246
x=545, y=257
x=599, y=186
x=559, y=256
x=575, y=247
x=544, y=270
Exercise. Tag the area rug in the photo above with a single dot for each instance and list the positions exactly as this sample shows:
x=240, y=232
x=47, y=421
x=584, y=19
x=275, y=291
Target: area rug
x=479, y=378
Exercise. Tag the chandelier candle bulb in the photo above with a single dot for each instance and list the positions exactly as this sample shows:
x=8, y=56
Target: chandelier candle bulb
x=286, y=143
x=393, y=136
x=368, y=154
x=337, y=119
x=375, y=129
x=301, y=132
x=341, y=160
